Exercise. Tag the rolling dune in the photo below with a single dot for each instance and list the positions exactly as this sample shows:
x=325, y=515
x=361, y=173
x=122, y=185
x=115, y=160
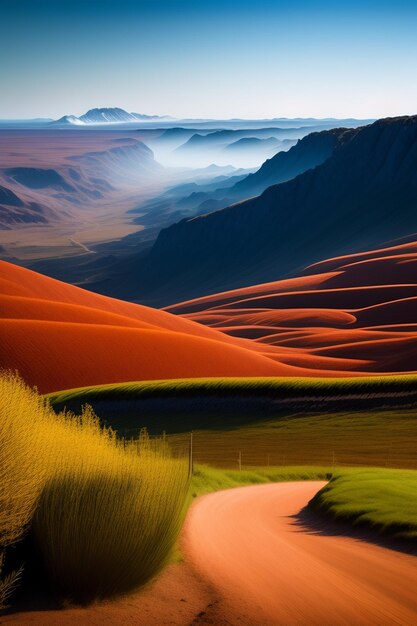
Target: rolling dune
x=343, y=322
x=60, y=336
x=358, y=313
x=61, y=355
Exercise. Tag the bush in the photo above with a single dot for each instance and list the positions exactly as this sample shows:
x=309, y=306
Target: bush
x=105, y=513
x=106, y=530
x=22, y=469
x=22, y=473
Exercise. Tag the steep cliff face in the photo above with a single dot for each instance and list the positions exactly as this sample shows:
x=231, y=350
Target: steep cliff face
x=309, y=152
x=363, y=194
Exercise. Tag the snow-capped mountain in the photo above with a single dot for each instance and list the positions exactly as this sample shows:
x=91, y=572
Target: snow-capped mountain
x=68, y=119
x=113, y=115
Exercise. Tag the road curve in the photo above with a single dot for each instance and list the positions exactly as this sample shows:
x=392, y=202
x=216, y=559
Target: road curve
x=266, y=568
x=248, y=561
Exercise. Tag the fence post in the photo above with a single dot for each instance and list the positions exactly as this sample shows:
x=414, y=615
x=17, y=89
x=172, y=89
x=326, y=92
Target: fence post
x=240, y=461
x=190, y=456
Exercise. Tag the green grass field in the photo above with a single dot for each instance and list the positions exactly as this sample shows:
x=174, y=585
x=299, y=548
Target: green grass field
x=254, y=419
x=207, y=479
x=384, y=438
x=384, y=500
x=125, y=499
x=275, y=387
x=352, y=431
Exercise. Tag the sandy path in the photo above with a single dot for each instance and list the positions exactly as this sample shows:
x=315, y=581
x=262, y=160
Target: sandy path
x=250, y=562
x=270, y=570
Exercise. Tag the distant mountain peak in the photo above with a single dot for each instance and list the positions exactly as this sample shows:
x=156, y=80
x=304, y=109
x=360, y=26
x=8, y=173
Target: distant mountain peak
x=68, y=119
x=106, y=115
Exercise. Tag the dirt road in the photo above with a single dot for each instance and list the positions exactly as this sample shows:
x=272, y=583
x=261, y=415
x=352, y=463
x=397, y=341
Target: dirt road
x=250, y=560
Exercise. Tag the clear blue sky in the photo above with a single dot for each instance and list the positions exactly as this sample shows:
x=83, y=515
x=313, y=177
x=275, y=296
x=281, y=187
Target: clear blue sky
x=192, y=58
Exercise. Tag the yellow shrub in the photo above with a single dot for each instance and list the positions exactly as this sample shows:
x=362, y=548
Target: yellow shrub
x=108, y=512
x=22, y=470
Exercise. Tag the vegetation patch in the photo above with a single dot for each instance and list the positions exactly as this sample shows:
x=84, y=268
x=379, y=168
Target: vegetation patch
x=105, y=513
x=178, y=406
x=207, y=479
x=384, y=438
x=383, y=500
x=288, y=387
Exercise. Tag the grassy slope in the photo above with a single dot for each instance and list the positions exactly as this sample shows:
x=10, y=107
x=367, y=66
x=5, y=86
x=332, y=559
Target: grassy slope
x=207, y=479
x=385, y=500
x=265, y=435
x=293, y=387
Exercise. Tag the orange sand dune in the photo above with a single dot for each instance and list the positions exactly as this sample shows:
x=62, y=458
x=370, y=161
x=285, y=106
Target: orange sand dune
x=291, y=284
x=405, y=328
x=324, y=365
x=398, y=354
x=356, y=311
x=61, y=355
x=389, y=312
x=396, y=269
x=343, y=298
x=330, y=265
x=317, y=337
x=18, y=307
x=288, y=317
x=19, y=281
x=250, y=332
x=348, y=321
x=59, y=336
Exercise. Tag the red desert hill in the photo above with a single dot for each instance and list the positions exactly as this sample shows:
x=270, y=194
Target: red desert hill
x=347, y=316
x=351, y=313
x=59, y=336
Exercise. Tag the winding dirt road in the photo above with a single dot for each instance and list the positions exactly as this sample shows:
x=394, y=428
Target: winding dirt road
x=251, y=561
x=269, y=569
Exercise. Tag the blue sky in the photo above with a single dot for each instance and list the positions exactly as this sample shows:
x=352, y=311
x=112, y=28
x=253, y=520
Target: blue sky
x=189, y=58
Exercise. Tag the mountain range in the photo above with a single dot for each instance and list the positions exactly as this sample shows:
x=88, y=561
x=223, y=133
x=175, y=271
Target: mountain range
x=363, y=193
x=85, y=173
x=308, y=152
